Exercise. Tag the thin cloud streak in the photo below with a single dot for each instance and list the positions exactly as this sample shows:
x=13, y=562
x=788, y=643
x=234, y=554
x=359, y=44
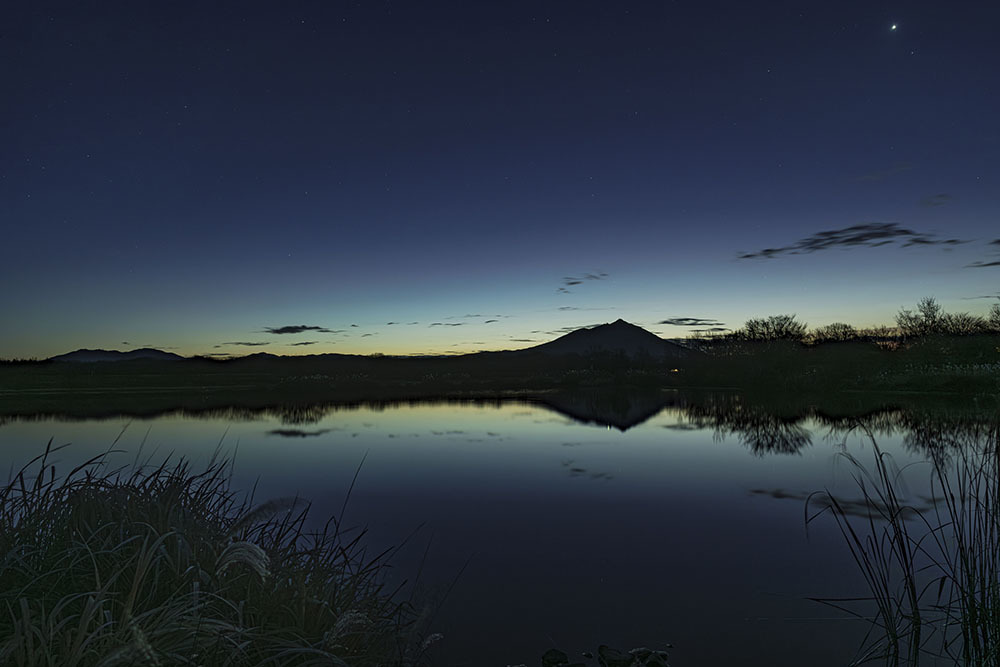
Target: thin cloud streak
x=570, y=281
x=936, y=200
x=882, y=174
x=691, y=322
x=865, y=235
x=296, y=329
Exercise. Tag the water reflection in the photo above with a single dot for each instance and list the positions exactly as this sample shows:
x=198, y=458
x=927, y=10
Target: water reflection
x=297, y=433
x=583, y=511
x=613, y=408
x=857, y=506
x=757, y=427
x=764, y=427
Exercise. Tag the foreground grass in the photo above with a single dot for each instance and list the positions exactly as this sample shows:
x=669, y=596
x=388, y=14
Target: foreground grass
x=166, y=566
x=934, y=581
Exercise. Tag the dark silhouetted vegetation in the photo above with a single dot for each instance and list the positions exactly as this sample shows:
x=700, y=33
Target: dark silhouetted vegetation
x=773, y=328
x=929, y=319
x=933, y=571
x=838, y=332
x=929, y=351
x=166, y=566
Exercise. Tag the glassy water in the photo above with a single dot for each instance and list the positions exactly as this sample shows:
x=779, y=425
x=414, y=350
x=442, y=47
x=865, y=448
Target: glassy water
x=536, y=527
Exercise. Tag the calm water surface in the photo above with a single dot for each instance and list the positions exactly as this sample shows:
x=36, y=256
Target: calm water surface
x=676, y=530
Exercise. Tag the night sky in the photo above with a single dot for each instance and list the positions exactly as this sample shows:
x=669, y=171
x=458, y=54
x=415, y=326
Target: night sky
x=435, y=177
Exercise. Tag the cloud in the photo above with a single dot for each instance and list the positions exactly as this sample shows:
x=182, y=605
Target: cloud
x=490, y=321
x=566, y=330
x=926, y=241
x=983, y=296
x=979, y=265
x=354, y=326
x=389, y=324
x=524, y=340
x=994, y=242
x=446, y=324
x=305, y=342
x=570, y=281
x=690, y=322
x=865, y=235
x=296, y=329
x=882, y=174
x=710, y=330
x=936, y=200
x=245, y=344
x=367, y=335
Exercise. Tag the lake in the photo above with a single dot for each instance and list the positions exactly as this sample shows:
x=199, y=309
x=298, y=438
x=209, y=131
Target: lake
x=572, y=522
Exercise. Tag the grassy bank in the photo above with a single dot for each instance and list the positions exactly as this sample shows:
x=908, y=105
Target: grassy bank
x=167, y=566
x=933, y=575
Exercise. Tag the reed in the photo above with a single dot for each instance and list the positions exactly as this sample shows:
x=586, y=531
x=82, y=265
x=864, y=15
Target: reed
x=933, y=574
x=162, y=565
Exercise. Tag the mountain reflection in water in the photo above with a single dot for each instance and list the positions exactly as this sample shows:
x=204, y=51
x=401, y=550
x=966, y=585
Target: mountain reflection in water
x=775, y=425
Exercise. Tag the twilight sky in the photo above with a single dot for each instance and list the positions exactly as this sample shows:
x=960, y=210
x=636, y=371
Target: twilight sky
x=405, y=177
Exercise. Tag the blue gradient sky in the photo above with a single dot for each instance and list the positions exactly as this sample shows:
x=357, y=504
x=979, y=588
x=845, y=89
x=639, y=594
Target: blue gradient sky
x=186, y=176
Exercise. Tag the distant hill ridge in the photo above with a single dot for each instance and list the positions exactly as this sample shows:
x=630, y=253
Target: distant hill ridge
x=618, y=337
x=115, y=355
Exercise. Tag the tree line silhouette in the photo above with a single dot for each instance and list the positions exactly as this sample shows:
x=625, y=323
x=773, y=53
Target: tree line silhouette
x=928, y=319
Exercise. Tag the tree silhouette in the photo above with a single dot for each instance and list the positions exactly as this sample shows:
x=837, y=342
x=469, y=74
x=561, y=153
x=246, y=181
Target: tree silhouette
x=836, y=332
x=775, y=327
x=925, y=321
x=931, y=320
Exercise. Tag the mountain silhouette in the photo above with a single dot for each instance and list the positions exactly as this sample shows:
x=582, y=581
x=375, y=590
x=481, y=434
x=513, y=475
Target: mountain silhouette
x=115, y=355
x=619, y=337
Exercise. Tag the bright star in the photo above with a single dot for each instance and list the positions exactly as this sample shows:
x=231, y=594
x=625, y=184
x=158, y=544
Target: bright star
x=893, y=27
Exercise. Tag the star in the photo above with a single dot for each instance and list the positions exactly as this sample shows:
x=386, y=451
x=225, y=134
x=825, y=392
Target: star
x=893, y=27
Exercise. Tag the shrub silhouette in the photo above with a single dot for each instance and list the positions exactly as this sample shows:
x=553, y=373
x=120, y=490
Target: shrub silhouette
x=930, y=320
x=775, y=327
x=836, y=332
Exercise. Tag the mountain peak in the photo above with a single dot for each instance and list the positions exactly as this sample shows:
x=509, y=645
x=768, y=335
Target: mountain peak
x=616, y=337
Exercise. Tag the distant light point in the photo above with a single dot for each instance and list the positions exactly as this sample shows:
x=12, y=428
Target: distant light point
x=893, y=26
